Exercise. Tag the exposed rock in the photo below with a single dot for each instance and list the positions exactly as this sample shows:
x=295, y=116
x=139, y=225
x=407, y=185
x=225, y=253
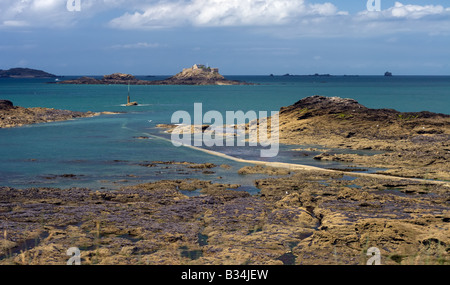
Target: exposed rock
x=11, y=116
x=200, y=75
x=415, y=142
x=258, y=169
x=119, y=76
x=189, y=76
x=320, y=105
x=306, y=218
x=115, y=78
x=6, y=105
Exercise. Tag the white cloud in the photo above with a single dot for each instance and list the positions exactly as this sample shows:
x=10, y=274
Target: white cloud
x=283, y=18
x=136, y=46
x=411, y=12
x=431, y=19
x=215, y=13
x=53, y=13
x=286, y=18
x=13, y=23
x=33, y=13
x=414, y=11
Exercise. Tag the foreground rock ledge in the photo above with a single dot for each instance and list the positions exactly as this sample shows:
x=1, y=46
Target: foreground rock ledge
x=305, y=218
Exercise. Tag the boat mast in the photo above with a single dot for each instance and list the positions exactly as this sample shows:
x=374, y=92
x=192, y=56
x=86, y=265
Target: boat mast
x=128, y=98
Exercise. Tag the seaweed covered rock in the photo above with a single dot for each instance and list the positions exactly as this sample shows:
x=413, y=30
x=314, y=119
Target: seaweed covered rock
x=6, y=105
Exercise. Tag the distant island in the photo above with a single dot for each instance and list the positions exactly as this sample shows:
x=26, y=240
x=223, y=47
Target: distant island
x=25, y=73
x=196, y=75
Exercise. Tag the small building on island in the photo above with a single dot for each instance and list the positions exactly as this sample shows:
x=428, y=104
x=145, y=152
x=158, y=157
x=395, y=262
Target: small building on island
x=202, y=67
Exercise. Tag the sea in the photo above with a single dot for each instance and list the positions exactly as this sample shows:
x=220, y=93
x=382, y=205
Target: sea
x=111, y=151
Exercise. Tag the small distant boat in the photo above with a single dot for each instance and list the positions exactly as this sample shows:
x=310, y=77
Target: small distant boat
x=129, y=103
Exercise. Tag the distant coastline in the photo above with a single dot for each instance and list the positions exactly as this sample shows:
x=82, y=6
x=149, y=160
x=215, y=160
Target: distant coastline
x=25, y=73
x=196, y=75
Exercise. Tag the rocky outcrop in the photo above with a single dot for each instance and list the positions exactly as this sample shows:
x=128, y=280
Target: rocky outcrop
x=25, y=73
x=200, y=76
x=258, y=169
x=189, y=76
x=6, y=105
x=320, y=105
x=115, y=78
x=15, y=116
x=119, y=76
x=416, y=143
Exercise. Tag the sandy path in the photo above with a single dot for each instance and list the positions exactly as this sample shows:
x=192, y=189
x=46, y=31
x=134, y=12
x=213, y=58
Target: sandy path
x=293, y=166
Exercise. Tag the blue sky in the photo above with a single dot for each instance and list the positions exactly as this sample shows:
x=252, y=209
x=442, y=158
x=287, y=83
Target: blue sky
x=241, y=37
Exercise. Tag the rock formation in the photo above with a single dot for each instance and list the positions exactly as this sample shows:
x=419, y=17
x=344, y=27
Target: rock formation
x=6, y=105
x=196, y=75
x=111, y=79
x=200, y=75
x=415, y=142
x=15, y=116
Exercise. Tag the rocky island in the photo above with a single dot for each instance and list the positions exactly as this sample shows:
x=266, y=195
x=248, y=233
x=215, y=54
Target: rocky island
x=15, y=116
x=25, y=73
x=196, y=75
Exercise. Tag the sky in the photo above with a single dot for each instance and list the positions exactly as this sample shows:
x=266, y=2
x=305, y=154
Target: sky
x=241, y=37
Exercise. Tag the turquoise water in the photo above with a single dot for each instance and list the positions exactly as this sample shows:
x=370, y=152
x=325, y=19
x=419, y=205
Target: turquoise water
x=103, y=152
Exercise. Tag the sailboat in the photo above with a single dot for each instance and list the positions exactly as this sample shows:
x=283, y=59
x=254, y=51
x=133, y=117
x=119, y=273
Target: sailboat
x=129, y=103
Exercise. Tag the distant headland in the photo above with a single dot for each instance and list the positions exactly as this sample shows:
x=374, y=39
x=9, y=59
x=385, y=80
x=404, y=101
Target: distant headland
x=25, y=73
x=196, y=75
